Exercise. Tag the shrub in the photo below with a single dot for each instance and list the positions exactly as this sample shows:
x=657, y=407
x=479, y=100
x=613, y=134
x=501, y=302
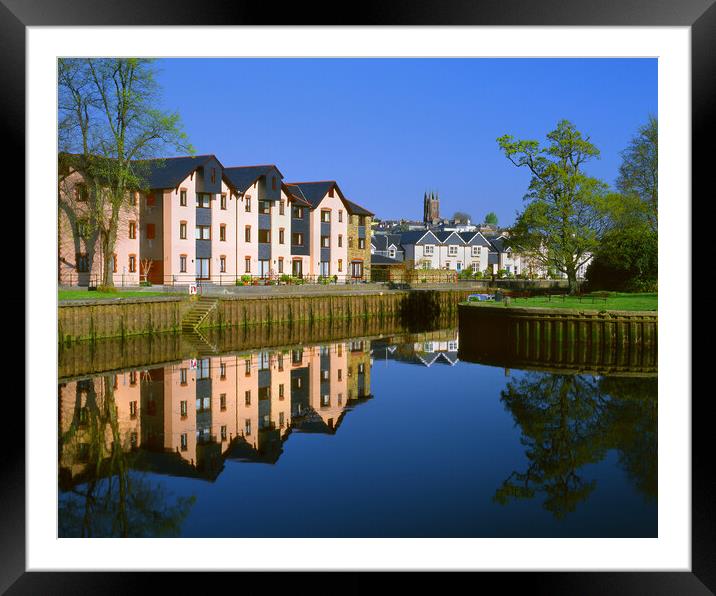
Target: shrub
x=502, y=273
x=107, y=289
x=478, y=274
x=285, y=278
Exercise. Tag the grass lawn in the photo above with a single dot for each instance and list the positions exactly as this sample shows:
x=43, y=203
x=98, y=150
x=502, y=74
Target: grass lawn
x=87, y=295
x=615, y=301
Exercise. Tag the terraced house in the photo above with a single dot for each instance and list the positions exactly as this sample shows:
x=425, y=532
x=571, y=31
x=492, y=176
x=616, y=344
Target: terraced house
x=199, y=220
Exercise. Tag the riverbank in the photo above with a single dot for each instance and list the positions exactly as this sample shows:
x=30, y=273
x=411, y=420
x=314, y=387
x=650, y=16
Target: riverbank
x=609, y=301
x=98, y=319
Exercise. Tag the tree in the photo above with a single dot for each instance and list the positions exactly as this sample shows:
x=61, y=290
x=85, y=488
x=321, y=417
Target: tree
x=639, y=172
x=566, y=214
x=627, y=258
x=461, y=216
x=109, y=125
x=491, y=218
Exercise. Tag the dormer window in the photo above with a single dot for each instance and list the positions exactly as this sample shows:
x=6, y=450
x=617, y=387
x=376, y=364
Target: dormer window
x=330, y=192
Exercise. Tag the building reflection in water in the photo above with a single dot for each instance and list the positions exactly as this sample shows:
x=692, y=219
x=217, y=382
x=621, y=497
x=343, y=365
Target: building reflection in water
x=188, y=418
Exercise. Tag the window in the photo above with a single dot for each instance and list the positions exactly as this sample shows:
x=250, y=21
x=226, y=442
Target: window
x=340, y=265
x=151, y=231
x=264, y=236
x=222, y=232
x=223, y=201
x=281, y=392
x=361, y=220
x=297, y=212
x=247, y=234
x=182, y=230
x=428, y=249
x=132, y=263
x=265, y=207
x=247, y=398
x=222, y=402
x=222, y=370
x=248, y=203
x=330, y=192
x=223, y=433
x=280, y=264
x=325, y=215
x=281, y=234
x=182, y=263
x=183, y=409
x=222, y=264
x=281, y=419
x=452, y=250
x=150, y=199
x=133, y=377
x=340, y=374
x=203, y=233
x=213, y=175
x=297, y=239
x=350, y=241
x=203, y=368
x=247, y=427
x=81, y=193
x=325, y=241
x=182, y=197
x=183, y=376
x=361, y=243
x=133, y=198
x=340, y=240
x=183, y=442
x=203, y=200
x=247, y=367
x=247, y=264
x=391, y=253
x=132, y=230
x=281, y=207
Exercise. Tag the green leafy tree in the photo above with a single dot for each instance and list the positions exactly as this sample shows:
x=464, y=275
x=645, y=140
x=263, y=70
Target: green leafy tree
x=639, y=171
x=110, y=123
x=491, y=219
x=566, y=211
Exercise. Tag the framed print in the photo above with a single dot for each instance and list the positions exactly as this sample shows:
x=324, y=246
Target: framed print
x=324, y=362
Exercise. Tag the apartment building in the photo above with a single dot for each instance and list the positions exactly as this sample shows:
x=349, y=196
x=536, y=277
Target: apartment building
x=337, y=234
x=199, y=220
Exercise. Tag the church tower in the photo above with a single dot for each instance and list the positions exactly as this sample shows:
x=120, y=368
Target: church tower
x=431, y=209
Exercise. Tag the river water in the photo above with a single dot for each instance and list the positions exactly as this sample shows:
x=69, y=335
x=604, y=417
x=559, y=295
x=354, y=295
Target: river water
x=367, y=437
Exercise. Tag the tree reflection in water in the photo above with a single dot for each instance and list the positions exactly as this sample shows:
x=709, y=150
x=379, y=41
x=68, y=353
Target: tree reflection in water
x=110, y=501
x=569, y=421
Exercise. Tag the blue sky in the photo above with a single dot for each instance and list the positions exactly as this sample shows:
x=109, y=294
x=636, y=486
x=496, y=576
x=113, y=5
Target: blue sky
x=389, y=129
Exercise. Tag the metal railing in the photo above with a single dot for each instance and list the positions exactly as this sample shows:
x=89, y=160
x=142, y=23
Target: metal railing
x=248, y=279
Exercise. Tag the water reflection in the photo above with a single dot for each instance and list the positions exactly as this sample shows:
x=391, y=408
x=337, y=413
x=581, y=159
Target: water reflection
x=125, y=438
x=569, y=421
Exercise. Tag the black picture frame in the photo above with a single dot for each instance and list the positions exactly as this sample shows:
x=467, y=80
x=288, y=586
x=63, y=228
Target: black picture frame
x=700, y=15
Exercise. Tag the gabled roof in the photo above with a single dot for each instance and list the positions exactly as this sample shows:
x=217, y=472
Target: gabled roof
x=499, y=243
x=445, y=236
x=355, y=209
x=416, y=236
x=475, y=239
x=168, y=172
x=242, y=177
x=314, y=192
x=295, y=195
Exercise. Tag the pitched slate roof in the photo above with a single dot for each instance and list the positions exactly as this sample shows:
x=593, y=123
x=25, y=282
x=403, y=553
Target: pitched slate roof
x=443, y=236
x=313, y=192
x=475, y=238
x=383, y=260
x=295, y=194
x=415, y=236
x=499, y=243
x=168, y=172
x=244, y=176
x=355, y=209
